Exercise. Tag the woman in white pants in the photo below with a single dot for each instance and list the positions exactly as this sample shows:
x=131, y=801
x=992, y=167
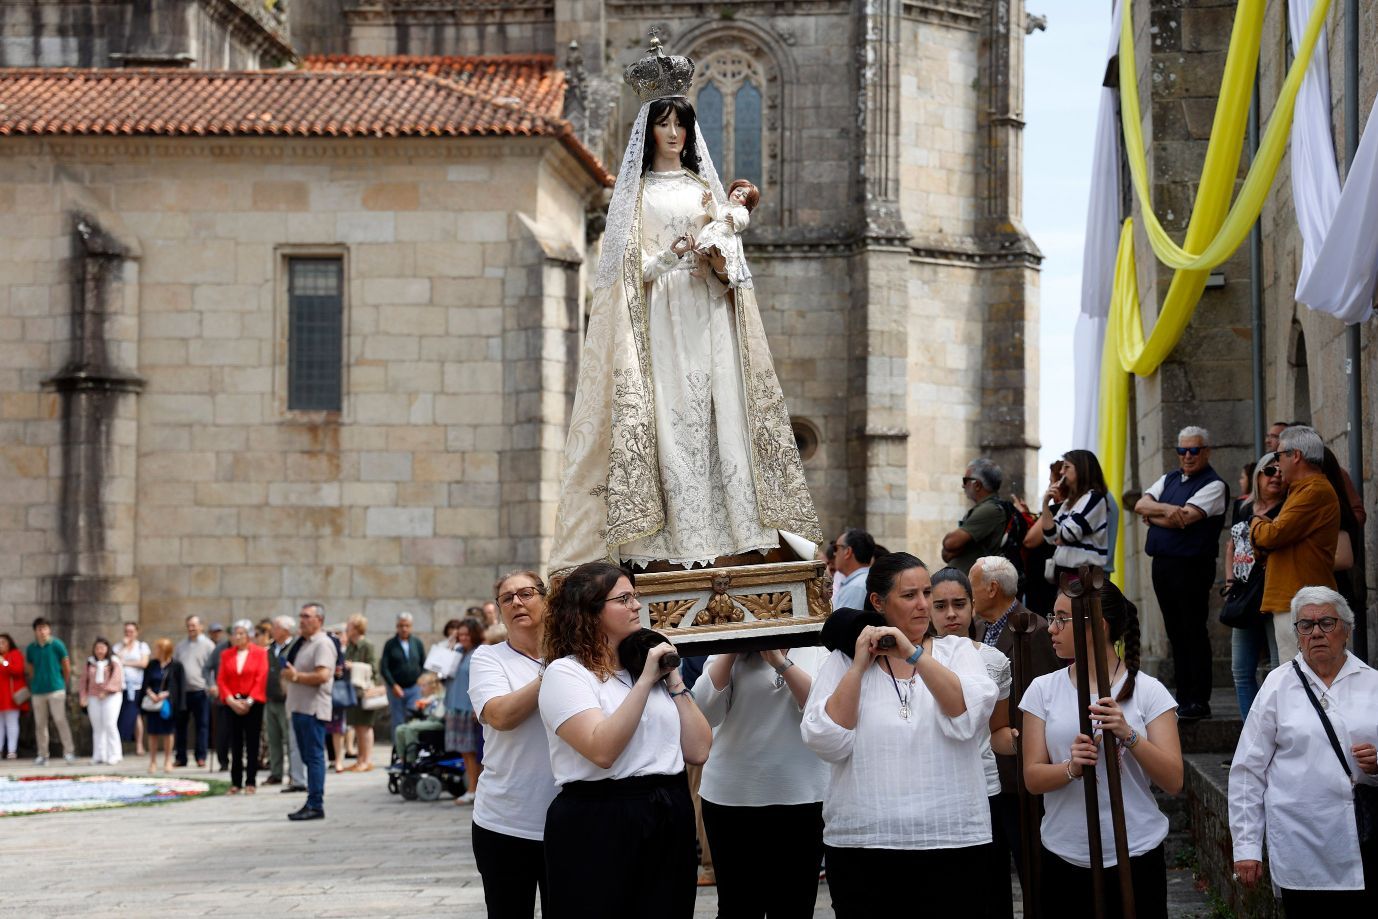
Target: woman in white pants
x=102, y=688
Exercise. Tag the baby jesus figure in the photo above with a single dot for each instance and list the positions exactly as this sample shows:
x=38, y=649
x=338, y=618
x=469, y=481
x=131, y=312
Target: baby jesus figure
x=724, y=232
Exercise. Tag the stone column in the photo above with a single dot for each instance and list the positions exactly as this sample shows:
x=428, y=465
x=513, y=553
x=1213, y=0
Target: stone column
x=878, y=348
x=95, y=588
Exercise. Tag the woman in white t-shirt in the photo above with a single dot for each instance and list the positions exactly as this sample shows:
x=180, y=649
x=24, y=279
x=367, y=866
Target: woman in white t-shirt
x=1142, y=719
x=952, y=611
x=906, y=800
x=619, y=837
x=134, y=656
x=762, y=789
x=517, y=786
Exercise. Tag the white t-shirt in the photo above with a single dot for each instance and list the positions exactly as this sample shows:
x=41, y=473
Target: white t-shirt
x=133, y=676
x=517, y=786
x=899, y=783
x=568, y=689
x=758, y=756
x=1053, y=698
x=999, y=670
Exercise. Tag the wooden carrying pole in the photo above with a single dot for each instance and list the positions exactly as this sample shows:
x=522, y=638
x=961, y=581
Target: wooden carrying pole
x=1073, y=586
x=1095, y=578
x=1030, y=848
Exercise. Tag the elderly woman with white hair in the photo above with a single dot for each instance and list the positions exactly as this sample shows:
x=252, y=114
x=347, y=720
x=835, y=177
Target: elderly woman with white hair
x=242, y=679
x=1306, y=768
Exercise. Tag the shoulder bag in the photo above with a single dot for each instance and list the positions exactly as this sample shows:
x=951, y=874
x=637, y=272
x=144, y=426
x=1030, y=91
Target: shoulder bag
x=342, y=694
x=148, y=705
x=1365, y=796
x=1244, y=601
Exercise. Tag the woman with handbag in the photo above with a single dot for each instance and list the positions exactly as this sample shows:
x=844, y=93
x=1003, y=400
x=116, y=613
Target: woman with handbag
x=243, y=682
x=14, y=694
x=1251, y=633
x=362, y=660
x=462, y=732
x=165, y=690
x=1305, y=770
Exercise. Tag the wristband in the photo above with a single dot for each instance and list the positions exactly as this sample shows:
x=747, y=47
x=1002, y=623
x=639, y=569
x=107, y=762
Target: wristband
x=913, y=659
x=1132, y=741
x=1071, y=776
x=686, y=691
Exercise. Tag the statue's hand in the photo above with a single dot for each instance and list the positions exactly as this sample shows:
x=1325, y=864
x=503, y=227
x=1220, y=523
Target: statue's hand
x=707, y=198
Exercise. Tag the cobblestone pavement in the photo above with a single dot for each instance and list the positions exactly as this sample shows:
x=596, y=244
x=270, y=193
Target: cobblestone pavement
x=238, y=856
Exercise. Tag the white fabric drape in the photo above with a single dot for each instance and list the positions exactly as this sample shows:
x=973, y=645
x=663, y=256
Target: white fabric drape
x=1098, y=259
x=1339, y=228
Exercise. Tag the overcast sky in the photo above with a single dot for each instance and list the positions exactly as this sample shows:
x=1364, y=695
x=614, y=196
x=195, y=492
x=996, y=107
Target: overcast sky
x=1063, y=71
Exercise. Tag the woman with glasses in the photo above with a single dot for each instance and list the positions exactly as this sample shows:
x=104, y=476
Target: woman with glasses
x=517, y=786
x=906, y=799
x=1251, y=637
x=1075, y=513
x=619, y=837
x=1306, y=755
x=1128, y=708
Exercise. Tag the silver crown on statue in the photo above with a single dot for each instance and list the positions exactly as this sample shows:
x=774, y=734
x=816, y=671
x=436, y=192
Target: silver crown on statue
x=659, y=75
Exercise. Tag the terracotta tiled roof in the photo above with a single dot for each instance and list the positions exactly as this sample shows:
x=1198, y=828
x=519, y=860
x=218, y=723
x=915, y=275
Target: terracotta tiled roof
x=328, y=97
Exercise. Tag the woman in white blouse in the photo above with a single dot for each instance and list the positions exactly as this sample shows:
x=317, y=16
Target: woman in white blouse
x=1128, y=708
x=952, y=611
x=619, y=837
x=1287, y=781
x=134, y=656
x=761, y=779
x=900, y=726
x=517, y=786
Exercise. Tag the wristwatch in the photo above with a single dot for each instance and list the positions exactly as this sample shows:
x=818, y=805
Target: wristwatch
x=780, y=670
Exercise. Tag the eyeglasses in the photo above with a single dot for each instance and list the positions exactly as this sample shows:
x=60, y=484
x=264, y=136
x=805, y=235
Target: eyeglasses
x=1060, y=621
x=1271, y=471
x=626, y=599
x=526, y=595
x=1306, y=626
x=1194, y=451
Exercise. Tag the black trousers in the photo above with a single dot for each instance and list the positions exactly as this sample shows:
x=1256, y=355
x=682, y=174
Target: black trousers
x=1004, y=828
x=866, y=882
x=1183, y=588
x=779, y=880
x=220, y=729
x=512, y=869
x=1301, y=904
x=622, y=849
x=1066, y=888
x=197, y=706
x=243, y=732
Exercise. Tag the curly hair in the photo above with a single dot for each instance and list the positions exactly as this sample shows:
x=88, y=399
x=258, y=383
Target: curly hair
x=574, y=610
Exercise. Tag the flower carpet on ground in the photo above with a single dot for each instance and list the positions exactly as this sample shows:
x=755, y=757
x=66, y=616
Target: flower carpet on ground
x=43, y=794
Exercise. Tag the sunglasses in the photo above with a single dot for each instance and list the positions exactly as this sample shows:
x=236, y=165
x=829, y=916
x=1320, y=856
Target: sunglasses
x=967, y=480
x=1194, y=451
x=1271, y=471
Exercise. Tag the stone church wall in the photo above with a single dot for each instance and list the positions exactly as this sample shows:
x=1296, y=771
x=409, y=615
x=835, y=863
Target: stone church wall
x=462, y=261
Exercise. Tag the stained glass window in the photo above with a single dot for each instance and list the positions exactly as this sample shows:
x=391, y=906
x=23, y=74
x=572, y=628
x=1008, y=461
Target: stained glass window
x=709, y=113
x=746, y=134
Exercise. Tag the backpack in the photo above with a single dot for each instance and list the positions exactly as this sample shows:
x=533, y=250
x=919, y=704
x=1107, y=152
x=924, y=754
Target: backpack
x=1012, y=542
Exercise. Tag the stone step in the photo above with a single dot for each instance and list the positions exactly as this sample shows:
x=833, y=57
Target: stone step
x=1205, y=795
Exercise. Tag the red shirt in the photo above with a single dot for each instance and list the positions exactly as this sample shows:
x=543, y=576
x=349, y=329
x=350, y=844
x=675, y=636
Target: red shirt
x=12, y=678
x=253, y=682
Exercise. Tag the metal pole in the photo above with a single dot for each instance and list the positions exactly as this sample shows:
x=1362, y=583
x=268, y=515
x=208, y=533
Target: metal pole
x=1256, y=294
x=1353, y=341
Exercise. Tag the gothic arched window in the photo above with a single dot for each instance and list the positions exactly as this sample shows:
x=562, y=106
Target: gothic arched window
x=729, y=110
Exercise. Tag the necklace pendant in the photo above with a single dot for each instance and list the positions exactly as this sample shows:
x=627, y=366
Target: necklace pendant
x=904, y=711
x=779, y=681
x=1325, y=702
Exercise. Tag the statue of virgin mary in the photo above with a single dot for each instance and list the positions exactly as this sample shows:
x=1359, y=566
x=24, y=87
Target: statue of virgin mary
x=680, y=448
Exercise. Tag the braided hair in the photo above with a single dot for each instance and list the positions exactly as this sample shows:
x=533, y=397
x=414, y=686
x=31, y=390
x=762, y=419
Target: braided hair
x=1122, y=623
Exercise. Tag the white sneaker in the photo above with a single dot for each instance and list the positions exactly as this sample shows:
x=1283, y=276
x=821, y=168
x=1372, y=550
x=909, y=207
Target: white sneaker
x=40, y=760
x=69, y=759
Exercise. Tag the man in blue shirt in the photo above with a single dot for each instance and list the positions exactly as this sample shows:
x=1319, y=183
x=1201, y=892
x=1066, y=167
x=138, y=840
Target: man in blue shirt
x=855, y=549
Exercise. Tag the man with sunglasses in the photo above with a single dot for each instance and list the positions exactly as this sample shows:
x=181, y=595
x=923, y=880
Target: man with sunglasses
x=1301, y=541
x=982, y=530
x=1185, y=513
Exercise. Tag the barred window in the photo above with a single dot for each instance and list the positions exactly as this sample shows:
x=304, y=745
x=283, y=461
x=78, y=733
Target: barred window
x=315, y=335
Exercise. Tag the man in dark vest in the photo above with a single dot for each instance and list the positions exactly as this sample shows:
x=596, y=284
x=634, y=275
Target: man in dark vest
x=1185, y=512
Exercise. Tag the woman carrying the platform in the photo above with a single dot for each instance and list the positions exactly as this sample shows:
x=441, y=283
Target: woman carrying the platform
x=619, y=837
x=1129, y=708
x=1313, y=717
x=901, y=728
x=517, y=786
x=762, y=775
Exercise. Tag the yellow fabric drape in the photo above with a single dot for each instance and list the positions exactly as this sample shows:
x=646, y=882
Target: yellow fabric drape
x=1215, y=230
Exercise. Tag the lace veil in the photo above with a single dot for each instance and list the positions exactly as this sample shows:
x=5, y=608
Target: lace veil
x=626, y=196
